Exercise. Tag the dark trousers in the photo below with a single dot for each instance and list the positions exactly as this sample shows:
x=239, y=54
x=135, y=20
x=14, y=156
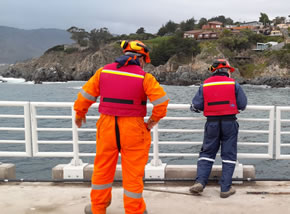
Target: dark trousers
x=218, y=133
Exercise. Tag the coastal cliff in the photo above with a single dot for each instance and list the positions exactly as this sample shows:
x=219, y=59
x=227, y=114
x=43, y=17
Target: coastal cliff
x=68, y=65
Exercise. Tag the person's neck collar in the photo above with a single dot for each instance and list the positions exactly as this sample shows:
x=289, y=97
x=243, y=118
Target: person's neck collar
x=221, y=73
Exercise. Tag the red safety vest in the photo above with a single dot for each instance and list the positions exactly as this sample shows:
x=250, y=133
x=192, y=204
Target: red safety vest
x=219, y=96
x=122, y=92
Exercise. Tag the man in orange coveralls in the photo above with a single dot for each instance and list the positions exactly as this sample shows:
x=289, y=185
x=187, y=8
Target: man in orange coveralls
x=123, y=88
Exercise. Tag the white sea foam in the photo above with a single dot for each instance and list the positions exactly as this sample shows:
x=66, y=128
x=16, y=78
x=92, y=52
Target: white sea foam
x=194, y=86
x=76, y=87
x=11, y=80
x=257, y=86
x=47, y=83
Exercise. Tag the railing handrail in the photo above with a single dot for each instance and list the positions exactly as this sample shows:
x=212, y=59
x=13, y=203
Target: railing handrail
x=30, y=116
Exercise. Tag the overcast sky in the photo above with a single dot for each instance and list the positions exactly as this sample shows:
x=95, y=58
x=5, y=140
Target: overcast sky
x=124, y=16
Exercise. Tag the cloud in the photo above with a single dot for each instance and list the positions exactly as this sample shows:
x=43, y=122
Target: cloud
x=127, y=16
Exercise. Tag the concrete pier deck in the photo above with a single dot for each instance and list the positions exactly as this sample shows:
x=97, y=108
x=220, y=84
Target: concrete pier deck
x=51, y=198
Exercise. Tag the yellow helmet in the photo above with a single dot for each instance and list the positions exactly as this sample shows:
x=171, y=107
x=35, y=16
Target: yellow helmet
x=136, y=47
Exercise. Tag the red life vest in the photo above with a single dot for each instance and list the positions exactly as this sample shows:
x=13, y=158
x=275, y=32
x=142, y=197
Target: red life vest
x=219, y=96
x=122, y=92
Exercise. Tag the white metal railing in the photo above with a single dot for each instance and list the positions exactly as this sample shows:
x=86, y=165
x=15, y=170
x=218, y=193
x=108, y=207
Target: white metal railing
x=31, y=114
x=269, y=131
x=26, y=129
x=280, y=133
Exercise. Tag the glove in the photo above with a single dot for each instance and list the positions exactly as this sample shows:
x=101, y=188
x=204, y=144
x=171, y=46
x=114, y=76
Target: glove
x=194, y=109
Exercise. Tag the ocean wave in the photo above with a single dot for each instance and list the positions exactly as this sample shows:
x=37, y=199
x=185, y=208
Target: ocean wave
x=257, y=86
x=193, y=86
x=11, y=80
x=76, y=87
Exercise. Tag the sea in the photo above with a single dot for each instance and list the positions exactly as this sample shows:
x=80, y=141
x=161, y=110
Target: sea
x=40, y=167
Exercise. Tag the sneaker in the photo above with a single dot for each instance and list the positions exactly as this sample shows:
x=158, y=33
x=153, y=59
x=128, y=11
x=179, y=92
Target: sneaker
x=228, y=193
x=196, y=188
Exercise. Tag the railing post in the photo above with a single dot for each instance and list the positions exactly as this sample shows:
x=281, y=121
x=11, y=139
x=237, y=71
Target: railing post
x=75, y=169
x=76, y=161
x=271, y=131
x=34, y=129
x=155, y=169
x=278, y=133
x=27, y=126
x=155, y=161
x=239, y=172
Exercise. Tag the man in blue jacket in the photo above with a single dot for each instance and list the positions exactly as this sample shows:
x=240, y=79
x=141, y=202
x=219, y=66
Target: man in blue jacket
x=220, y=98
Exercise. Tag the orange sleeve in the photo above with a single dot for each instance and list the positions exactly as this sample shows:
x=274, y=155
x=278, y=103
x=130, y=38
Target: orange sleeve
x=157, y=97
x=88, y=95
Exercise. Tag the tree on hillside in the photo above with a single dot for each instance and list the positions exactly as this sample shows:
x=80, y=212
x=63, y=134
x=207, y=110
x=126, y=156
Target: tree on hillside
x=246, y=39
x=264, y=19
x=162, y=31
x=201, y=22
x=79, y=35
x=99, y=37
x=279, y=20
x=176, y=45
x=169, y=27
x=140, y=30
x=222, y=19
x=229, y=21
x=189, y=24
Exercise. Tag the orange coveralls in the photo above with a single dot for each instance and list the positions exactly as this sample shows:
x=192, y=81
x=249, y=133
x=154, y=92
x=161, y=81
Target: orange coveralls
x=135, y=142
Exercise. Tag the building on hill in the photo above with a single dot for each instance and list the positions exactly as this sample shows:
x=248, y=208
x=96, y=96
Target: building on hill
x=264, y=46
x=239, y=28
x=276, y=33
x=201, y=34
x=212, y=25
x=283, y=26
x=230, y=26
x=253, y=24
x=192, y=34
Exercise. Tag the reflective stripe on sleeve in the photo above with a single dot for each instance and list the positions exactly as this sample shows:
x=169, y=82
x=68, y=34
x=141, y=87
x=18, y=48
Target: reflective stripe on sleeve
x=229, y=161
x=101, y=186
x=219, y=83
x=88, y=96
x=132, y=194
x=208, y=159
x=160, y=100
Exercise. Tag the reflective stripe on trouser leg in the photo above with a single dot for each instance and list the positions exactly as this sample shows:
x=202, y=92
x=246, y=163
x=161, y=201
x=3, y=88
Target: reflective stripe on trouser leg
x=228, y=153
x=210, y=147
x=135, y=144
x=104, y=165
x=99, y=204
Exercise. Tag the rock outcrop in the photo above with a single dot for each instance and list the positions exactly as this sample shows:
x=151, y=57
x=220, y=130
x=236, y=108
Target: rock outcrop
x=81, y=65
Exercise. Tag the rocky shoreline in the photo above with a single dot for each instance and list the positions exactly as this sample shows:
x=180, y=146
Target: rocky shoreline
x=60, y=67
x=181, y=77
